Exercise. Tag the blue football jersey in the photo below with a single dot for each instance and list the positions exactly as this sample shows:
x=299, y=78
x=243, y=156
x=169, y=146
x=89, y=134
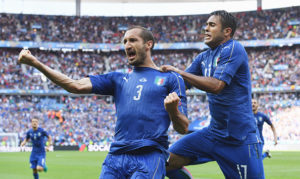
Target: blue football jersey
x=260, y=119
x=139, y=98
x=231, y=111
x=37, y=138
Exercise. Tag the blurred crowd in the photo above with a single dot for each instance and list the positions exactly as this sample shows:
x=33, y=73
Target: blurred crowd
x=91, y=119
x=266, y=24
x=270, y=67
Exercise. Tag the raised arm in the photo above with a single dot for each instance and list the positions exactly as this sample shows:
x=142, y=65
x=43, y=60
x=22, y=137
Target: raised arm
x=73, y=86
x=179, y=120
x=208, y=84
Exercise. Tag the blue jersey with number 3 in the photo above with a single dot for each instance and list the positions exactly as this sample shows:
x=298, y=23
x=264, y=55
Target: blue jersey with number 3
x=139, y=98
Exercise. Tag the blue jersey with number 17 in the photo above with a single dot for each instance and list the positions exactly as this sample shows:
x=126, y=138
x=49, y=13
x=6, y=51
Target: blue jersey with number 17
x=142, y=120
x=232, y=119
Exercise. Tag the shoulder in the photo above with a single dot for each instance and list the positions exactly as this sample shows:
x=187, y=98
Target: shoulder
x=232, y=46
x=201, y=54
x=108, y=76
x=173, y=75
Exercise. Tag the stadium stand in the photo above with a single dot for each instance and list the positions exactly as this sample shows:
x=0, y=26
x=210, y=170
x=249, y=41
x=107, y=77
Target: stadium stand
x=25, y=92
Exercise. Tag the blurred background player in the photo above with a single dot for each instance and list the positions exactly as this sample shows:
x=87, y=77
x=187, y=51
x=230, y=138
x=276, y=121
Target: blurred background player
x=38, y=154
x=261, y=118
x=146, y=100
x=232, y=138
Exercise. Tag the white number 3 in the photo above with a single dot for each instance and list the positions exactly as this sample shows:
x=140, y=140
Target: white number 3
x=139, y=92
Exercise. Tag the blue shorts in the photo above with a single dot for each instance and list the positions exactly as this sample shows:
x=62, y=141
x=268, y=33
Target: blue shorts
x=235, y=161
x=37, y=160
x=134, y=166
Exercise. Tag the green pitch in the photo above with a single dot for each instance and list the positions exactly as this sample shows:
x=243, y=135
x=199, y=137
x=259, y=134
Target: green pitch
x=87, y=165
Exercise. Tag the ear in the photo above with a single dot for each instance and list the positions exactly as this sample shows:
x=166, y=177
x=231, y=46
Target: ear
x=149, y=44
x=227, y=31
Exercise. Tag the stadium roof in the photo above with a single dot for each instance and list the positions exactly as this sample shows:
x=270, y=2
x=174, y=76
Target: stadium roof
x=136, y=7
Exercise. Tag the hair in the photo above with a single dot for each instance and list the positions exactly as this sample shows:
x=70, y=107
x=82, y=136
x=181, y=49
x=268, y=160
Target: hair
x=227, y=20
x=145, y=34
x=35, y=117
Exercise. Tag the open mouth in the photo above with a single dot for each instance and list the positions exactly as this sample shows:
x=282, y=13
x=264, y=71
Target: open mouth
x=131, y=54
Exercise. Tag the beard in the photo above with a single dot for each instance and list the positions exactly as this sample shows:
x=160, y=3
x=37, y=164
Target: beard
x=140, y=58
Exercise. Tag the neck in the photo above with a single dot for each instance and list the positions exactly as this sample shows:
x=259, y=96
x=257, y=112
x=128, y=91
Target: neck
x=148, y=63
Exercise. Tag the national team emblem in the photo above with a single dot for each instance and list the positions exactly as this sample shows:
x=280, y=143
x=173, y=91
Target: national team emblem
x=143, y=80
x=260, y=119
x=159, y=80
x=216, y=61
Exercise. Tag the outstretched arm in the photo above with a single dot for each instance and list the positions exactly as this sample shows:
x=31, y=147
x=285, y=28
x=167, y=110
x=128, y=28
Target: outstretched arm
x=73, y=86
x=179, y=120
x=208, y=84
x=274, y=133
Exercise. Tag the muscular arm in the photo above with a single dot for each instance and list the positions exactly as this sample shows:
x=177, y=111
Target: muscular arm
x=208, y=84
x=73, y=86
x=179, y=120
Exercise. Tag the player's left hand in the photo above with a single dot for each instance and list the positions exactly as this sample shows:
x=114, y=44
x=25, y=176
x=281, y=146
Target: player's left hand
x=171, y=102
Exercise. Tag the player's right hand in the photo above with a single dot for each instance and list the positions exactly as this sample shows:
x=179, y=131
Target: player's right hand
x=25, y=57
x=171, y=102
x=165, y=68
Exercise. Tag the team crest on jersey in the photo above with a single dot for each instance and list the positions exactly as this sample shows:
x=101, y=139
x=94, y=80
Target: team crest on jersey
x=216, y=60
x=260, y=119
x=143, y=80
x=159, y=80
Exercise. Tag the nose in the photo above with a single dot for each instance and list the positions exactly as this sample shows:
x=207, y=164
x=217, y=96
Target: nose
x=206, y=28
x=127, y=46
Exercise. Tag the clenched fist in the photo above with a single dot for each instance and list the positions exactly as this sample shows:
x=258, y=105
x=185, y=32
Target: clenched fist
x=171, y=102
x=25, y=57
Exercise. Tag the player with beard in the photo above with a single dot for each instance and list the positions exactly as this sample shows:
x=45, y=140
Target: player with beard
x=232, y=138
x=147, y=101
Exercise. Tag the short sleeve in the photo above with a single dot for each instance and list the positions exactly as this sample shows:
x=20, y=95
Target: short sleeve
x=103, y=84
x=231, y=58
x=176, y=84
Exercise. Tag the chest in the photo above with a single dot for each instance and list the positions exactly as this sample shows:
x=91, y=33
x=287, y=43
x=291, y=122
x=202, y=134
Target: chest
x=139, y=87
x=36, y=136
x=210, y=62
x=259, y=120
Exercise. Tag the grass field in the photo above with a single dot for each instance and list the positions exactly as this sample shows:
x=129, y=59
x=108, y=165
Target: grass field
x=87, y=165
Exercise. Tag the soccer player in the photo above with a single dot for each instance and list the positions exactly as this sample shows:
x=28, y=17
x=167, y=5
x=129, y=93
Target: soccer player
x=146, y=100
x=232, y=138
x=261, y=118
x=38, y=155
